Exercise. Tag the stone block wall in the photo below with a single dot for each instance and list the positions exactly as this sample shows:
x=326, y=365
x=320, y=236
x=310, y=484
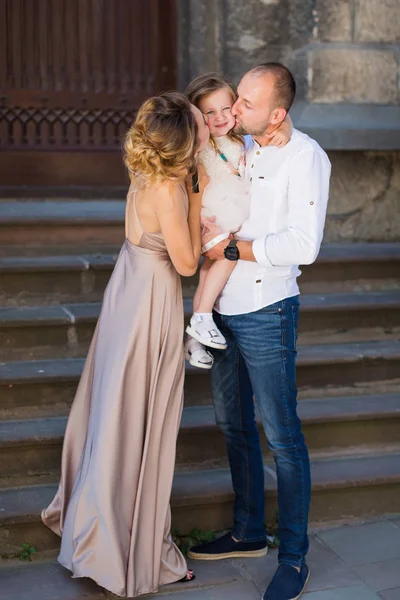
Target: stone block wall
x=342, y=52
x=364, y=202
x=354, y=52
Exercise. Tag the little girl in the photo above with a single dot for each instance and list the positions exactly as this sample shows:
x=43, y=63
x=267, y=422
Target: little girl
x=226, y=197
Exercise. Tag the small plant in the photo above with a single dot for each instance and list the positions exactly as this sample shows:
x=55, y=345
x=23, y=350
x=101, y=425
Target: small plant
x=27, y=552
x=272, y=533
x=194, y=537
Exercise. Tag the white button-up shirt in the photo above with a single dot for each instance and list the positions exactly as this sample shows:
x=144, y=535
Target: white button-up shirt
x=289, y=197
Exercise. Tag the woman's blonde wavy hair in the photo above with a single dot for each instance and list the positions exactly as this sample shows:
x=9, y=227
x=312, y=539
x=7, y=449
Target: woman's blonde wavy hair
x=161, y=143
x=206, y=84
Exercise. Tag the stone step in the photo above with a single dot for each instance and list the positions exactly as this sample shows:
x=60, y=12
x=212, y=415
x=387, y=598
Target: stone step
x=53, y=279
x=83, y=277
x=343, y=488
x=357, y=267
x=52, y=383
x=63, y=223
x=39, y=332
x=32, y=447
x=67, y=193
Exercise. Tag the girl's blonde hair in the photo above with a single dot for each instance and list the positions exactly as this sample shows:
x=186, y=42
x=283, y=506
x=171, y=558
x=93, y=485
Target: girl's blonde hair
x=204, y=85
x=161, y=143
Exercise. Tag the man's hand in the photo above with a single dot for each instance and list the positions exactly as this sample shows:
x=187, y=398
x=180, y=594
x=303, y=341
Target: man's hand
x=217, y=251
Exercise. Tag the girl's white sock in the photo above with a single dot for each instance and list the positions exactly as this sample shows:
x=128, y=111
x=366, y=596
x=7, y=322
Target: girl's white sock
x=203, y=316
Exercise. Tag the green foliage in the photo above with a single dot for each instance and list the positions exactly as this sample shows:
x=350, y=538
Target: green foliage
x=27, y=552
x=272, y=532
x=193, y=538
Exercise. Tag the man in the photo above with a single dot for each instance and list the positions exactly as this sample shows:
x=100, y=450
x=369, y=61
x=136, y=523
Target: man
x=257, y=313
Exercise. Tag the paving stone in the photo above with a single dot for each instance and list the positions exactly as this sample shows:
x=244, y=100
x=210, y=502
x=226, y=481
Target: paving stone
x=327, y=570
x=359, y=592
x=209, y=573
x=259, y=570
x=47, y=581
x=364, y=544
x=393, y=594
x=245, y=590
x=380, y=576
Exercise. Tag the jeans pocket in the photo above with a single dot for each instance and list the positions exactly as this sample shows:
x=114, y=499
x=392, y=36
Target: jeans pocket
x=273, y=309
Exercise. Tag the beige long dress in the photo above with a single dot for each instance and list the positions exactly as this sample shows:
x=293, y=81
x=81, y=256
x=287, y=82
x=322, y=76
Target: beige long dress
x=112, y=505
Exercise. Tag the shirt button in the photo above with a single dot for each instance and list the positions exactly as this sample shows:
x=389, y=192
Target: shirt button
x=252, y=166
x=251, y=179
x=311, y=202
x=258, y=152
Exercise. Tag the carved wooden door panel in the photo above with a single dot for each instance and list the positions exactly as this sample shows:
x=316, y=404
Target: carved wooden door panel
x=73, y=72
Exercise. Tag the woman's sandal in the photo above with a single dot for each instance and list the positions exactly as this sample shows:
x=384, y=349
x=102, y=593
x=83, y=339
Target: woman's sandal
x=190, y=576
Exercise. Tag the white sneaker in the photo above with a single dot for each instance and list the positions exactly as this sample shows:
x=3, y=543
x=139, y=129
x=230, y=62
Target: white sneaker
x=197, y=355
x=206, y=332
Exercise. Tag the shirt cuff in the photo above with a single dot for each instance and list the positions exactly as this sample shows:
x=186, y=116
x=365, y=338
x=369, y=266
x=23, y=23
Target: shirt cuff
x=259, y=252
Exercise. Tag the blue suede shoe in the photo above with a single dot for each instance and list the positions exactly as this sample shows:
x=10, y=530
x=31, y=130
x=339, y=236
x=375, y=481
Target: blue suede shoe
x=226, y=547
x=287, y=583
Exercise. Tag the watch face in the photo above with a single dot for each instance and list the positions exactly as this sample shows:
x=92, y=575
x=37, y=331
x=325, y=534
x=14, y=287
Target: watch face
x=231, y=253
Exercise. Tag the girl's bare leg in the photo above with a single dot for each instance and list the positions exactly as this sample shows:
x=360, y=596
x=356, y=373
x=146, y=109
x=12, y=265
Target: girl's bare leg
x=202, y=277
x=202, y=327
x=214, y=280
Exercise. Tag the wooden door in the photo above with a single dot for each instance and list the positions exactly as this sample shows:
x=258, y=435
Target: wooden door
x=72, y=75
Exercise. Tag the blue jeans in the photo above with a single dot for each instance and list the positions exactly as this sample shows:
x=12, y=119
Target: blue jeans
x=261, y=359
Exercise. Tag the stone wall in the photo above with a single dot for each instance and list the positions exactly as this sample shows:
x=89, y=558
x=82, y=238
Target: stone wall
x=342, y=53
x=364, y=201
x=340, y=50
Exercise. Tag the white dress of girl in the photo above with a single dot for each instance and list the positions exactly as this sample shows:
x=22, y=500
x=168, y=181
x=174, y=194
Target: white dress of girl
x=226, y=196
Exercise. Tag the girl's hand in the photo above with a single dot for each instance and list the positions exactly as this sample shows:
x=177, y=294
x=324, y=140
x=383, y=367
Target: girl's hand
x=281, y=136
x=209, y=229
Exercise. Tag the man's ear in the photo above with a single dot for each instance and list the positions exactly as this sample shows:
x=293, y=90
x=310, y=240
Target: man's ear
x=278, y=115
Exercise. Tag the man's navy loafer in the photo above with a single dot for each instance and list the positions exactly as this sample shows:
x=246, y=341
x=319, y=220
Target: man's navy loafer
x=226, y=547
x=287, y=583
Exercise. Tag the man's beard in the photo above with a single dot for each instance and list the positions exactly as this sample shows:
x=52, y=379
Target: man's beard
x=256, y=131
x=240, y=130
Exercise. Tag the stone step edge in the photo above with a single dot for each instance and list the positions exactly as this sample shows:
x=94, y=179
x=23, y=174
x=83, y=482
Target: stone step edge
x=69, y=369
x=50, y=430
x=34, y=213
x=88, y=312
x=24, y=505
x=330, y=253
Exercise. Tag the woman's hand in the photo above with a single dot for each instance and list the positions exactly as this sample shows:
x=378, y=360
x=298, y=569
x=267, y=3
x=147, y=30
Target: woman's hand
x=281, y=136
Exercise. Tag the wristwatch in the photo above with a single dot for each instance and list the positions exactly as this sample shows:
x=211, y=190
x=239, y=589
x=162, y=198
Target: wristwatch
x=231, y=251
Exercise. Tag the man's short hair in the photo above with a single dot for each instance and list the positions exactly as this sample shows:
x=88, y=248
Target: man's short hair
x=285, y=85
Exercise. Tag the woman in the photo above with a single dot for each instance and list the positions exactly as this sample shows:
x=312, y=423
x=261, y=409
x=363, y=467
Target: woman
x=112, y=505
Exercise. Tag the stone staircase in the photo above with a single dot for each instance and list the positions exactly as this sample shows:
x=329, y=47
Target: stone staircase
x=56, y=257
